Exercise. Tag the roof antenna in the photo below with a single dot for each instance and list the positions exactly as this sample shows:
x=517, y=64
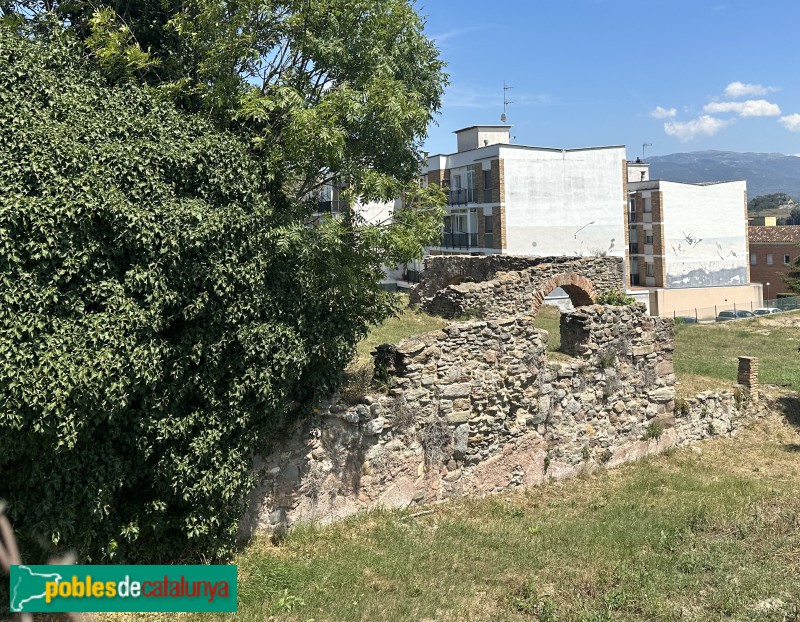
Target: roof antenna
x=644, y=146
x=506, y=101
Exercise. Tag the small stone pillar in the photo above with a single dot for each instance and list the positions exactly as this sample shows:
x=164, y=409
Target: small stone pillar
x=748, y=376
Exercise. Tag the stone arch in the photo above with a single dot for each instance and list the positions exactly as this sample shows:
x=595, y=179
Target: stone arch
x=580, y=290
x=455, y=280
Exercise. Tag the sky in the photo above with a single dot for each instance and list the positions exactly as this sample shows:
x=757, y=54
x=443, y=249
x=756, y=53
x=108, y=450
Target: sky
x=681, y=75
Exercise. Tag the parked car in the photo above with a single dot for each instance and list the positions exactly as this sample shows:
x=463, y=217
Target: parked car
x=730, y=314
x=766, y=310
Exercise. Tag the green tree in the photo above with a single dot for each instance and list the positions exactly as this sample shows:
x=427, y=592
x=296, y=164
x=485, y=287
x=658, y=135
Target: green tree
x=164, y=311
x=322, y=90
x=770, y=202
x=792, y=277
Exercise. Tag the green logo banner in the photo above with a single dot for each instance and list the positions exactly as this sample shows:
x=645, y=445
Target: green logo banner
x=40, y=589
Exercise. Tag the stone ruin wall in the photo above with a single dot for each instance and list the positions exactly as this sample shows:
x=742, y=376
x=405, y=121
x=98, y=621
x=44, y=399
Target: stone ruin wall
x=497, y=286
x=479, y=408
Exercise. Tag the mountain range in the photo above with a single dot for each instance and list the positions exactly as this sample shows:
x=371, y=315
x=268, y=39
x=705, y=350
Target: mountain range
x=765, y=173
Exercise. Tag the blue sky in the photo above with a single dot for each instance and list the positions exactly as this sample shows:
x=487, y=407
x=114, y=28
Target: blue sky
x=684, y=75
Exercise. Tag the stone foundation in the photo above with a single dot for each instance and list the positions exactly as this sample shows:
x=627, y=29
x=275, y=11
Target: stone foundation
x=497, y=286
x=478, y=408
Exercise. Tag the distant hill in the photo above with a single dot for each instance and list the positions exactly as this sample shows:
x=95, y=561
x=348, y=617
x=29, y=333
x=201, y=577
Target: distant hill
x=766, y=173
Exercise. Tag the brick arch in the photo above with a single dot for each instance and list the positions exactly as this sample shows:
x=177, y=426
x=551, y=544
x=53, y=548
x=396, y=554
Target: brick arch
x=580, y=290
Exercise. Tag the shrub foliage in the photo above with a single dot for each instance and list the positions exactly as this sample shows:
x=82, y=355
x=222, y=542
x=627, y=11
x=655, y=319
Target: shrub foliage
x=159, y=317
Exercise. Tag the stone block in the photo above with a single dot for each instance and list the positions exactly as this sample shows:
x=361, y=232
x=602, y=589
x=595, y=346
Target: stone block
x=458, y=417
x=451, y=391
x=662, y=395
x=462, y=403
x=371, y=428
x=460, y=441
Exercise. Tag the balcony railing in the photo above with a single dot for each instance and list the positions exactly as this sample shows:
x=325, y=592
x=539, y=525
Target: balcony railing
x=632, y=216
x=461, y=196
x=459, y=240
x=330, y=207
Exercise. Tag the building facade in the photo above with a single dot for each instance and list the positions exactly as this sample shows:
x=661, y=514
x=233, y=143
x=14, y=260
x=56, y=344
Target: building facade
x=688, y=235
x=521, y=200
x=685, y=246
x=772, y=249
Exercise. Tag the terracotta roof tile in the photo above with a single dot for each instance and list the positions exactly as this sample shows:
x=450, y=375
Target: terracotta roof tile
x=786, y=234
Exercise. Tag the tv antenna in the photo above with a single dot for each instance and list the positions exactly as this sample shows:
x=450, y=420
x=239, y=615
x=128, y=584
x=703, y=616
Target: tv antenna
x=506, y=101
x=644, y=146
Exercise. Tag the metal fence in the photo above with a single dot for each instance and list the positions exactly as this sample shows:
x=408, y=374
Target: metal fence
x=734, y=311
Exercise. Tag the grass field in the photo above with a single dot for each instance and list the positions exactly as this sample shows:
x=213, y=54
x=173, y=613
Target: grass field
x=706, y=354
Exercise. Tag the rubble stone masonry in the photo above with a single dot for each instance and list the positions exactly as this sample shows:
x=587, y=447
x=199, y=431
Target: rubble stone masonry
x=478, y=407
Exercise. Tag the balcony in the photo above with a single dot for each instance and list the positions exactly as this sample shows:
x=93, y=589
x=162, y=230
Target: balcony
x=330, y=207
x=451, y=239
x=461, y=196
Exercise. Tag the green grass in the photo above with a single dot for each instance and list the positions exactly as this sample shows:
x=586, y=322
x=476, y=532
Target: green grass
x=709, y=352
x=680, y=536
x=408, y=323
x=549, y=319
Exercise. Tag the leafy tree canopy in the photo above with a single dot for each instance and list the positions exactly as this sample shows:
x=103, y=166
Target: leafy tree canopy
x=164, y=305
x=322, y=89
x=771, y=201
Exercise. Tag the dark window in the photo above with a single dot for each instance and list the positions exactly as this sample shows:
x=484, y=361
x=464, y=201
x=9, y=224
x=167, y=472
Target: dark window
x=787, y=260
x=487, y=180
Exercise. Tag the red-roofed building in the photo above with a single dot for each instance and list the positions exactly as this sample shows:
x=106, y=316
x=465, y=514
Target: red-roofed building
x=772, y=249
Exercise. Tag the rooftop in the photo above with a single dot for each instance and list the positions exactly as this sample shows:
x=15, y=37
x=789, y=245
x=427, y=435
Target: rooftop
x=784, y=234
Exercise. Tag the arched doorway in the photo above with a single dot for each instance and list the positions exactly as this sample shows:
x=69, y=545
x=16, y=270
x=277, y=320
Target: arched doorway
x=547, y=313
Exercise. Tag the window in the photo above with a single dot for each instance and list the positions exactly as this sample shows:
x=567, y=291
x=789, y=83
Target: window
x=648, y=239
x=647, y=205
x=456, y=181
x=487, y=180
x=787, y=260
x=753, y=259
x=649, y=269
x=769, y=260
x=488, y=224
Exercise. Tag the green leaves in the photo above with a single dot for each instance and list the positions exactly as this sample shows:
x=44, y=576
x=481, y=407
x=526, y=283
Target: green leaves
x=159, y=313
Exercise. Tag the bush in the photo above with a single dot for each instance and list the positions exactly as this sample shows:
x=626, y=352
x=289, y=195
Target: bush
x=615, y=298
x=159, y=316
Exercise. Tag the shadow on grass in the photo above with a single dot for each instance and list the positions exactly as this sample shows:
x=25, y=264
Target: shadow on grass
x=789, y=405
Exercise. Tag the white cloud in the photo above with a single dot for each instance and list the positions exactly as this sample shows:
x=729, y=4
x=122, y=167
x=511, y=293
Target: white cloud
x=749, y=108
x=740, y=89
x=663, y=113
x=791, y=122
x=702, y=126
